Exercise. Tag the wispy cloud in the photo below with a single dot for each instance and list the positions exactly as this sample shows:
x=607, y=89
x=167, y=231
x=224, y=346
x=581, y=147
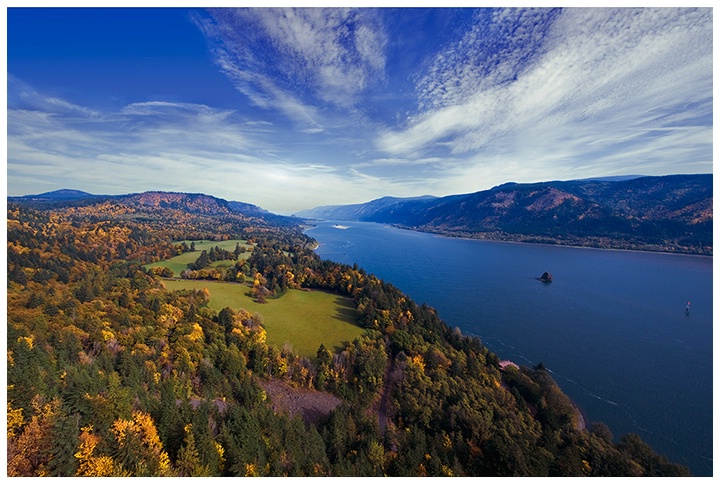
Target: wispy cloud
x=512, y=95
x=569, y=85
x=159, y=145
x=22, y=94
x=295, y=59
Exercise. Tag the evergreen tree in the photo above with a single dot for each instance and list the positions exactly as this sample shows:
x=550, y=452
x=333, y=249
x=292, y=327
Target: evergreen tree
x=65, y=440
x=188, y=462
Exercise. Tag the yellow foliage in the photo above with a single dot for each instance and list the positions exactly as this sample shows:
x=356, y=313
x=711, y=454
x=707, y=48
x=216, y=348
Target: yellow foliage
x=419, y=362
x=251, y=470
x=90, y=465
x=447, y=471
x=259, y=335
x=169, y=315
x=164, y=469
x=29, y=453
x=15, y=420
x=197, y=333
x=143, y=427
x=29, y=340
x=221, y=455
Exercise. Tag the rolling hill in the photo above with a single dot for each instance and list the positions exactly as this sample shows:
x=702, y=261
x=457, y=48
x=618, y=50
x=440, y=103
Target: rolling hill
x=193, y=203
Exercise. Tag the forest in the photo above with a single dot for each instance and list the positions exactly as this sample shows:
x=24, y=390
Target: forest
x=111, y=374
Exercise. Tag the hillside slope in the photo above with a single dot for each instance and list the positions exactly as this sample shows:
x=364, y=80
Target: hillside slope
x=153, y=202
x=669, y=213
x=361, y=211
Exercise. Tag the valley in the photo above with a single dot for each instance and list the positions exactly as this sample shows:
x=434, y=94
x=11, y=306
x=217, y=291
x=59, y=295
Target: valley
x=128, y=370
x=666, y=214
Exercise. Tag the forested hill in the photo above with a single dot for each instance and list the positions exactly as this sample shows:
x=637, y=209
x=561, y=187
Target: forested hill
x=110, y=373
x=669, y=213
x=147, y=202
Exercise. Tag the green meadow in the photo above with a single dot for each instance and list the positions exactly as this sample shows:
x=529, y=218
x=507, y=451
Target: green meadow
x=179, y=263
x=201, y=245
x=305, y=319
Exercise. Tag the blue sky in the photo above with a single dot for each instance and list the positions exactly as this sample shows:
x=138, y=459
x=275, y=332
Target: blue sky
x=290, y=109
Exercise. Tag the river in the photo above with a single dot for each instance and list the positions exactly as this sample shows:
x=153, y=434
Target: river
x=612, y=327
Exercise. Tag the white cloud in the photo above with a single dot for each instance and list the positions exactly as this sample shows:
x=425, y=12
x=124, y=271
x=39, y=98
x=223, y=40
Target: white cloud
x=164, y=108
x=290, y=59
x=20, y=92
x=171, y=146
x=622, y=81
x=523, y=95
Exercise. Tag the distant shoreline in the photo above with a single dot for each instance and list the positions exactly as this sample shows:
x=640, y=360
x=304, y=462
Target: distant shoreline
x=485, y=236
x=488, y=237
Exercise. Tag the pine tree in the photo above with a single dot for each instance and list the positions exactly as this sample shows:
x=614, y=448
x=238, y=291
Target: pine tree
x=65, y=441
x=188, y=462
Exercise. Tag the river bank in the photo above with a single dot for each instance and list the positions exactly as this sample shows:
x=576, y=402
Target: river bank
x=602, y=243
x=580, y=420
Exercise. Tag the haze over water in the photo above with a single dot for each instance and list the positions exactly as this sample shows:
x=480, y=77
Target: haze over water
x=611, y=327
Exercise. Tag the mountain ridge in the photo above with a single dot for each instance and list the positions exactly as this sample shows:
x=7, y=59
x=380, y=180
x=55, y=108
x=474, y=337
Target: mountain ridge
x=199, y=203
x=670, y=213
x=358, y=210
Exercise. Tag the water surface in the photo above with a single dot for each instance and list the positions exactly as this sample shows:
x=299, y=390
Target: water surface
x=611, y=327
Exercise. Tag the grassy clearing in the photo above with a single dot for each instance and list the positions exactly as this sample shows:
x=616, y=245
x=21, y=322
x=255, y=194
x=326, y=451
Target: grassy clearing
x=179, y=263
x=201, y=245
x=305, y=319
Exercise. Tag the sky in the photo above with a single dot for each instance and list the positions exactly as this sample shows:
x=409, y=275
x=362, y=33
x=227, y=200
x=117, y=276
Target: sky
x=289, y=109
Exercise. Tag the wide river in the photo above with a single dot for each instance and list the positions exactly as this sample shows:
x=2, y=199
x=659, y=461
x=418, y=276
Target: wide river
x=612, y=327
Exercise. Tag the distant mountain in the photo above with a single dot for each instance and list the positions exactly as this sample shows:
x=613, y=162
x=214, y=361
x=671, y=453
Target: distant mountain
x=360, y=211
x=195, y=203
x=64, y=194
x=668, y=213
x=247, y=208
x=613, y=178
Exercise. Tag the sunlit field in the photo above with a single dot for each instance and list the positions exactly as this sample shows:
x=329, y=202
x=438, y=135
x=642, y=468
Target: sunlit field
x=305, y=319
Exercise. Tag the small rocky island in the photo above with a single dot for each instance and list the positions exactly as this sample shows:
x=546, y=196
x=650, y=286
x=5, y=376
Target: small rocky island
x=546, y=277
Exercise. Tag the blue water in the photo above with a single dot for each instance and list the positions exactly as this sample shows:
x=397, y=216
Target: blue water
x=611, y=327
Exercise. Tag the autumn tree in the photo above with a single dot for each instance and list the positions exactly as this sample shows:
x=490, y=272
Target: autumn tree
x=137, y=447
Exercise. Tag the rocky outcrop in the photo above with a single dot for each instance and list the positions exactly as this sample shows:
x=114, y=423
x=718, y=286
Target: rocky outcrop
x=546, y=277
